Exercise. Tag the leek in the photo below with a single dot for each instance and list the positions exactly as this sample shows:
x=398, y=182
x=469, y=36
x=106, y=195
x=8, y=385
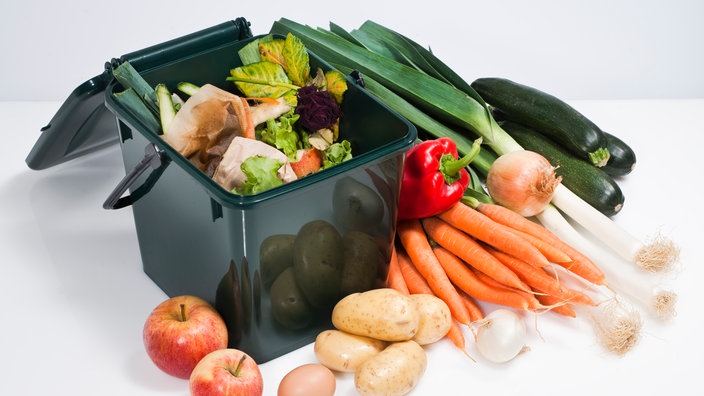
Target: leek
x=452, y=107
x=435, y=97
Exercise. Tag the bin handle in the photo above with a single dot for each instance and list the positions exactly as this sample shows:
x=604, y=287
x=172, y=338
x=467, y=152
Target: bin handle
x=153, y=158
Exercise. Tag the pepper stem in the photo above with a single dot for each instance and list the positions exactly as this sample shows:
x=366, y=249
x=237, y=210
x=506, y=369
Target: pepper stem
x=450, y=167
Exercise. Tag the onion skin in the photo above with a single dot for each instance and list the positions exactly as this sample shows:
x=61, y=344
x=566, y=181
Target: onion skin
x=523, y=181
x=501, y=336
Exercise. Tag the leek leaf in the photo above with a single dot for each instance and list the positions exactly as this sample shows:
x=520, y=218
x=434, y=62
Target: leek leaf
x=437, y=98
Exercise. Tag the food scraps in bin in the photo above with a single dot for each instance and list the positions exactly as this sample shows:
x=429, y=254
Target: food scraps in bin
x=281, y=124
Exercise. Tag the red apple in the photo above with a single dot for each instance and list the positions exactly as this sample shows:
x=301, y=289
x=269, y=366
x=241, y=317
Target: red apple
x=180, y=331
x=227, y=372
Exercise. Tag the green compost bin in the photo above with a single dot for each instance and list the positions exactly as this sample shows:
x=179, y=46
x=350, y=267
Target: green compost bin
x=195, y=237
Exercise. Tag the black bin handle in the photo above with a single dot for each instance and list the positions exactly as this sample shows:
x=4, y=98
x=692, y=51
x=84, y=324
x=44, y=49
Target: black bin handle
x=153, y=158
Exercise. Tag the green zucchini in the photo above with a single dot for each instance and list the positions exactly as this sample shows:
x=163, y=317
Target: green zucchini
x=623, y=158
x=590, y=183
x=546, y=114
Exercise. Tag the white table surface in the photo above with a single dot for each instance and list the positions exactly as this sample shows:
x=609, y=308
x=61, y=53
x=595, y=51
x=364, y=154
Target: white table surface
x=75, y=297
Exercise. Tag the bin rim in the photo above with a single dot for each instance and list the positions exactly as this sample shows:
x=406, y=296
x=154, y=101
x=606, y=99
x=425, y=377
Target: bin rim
x=232, y=200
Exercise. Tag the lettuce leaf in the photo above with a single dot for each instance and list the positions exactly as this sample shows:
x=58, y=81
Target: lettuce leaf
x=337, y=153
x=262, y=174
x=282, y=135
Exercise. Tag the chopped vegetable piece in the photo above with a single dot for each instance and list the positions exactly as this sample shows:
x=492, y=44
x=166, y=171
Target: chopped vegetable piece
x=261, y=173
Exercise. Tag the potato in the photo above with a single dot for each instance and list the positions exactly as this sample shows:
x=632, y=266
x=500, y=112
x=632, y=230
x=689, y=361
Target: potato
x=345, y=352
x=362, y=259
x=318, y=261
x=385, y=314
x=394, y=371
x=435, y=318
x=356, y=206
x=288, y=305
x=275, y=255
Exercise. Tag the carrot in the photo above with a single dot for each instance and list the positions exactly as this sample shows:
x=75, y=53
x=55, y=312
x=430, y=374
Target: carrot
x=557, y=305
x=418, y=285
x=508, y=217
x=248, y=123
x=469, y=250
x=414, y=280
x=466, y=280
x=550, y=251
x=581, y=265
x=394, y=278
x=495, y=234
x=540, y=280
x=474, y=310
x=416, y=245
x=529, y=297
x=456, y=336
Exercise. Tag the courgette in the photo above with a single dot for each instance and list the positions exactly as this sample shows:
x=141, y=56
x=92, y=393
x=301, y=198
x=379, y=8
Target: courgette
x=590, y=183
x=546, y=114
x=623, y=158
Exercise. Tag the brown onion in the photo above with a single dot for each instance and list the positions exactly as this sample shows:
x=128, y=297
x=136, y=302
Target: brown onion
x=523, y=181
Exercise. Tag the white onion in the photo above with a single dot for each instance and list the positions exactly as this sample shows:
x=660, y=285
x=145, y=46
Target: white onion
x=501, y=335
x=523, y=181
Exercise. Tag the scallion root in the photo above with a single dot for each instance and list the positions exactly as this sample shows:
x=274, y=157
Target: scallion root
x=658, y=256
x=617, y=326
x=664, y=304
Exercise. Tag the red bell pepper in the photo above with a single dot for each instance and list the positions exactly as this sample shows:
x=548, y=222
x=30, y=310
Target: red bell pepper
x=434, y=178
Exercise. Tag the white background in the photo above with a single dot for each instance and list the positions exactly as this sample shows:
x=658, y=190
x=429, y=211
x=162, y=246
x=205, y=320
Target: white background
x=75, y=297
x=585, y=49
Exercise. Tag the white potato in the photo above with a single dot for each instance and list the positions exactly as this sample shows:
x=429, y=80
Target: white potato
x=435, y=318
x=384, y=314
x=345, y=352
x=393, y=372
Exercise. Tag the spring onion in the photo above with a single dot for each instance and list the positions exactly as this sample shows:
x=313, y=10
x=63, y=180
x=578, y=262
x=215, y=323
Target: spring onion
x=643, y=288
x=658, y=255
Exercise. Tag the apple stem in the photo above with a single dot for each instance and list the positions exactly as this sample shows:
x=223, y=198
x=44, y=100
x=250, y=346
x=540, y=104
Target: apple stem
x=183, y=313
x=236, y=372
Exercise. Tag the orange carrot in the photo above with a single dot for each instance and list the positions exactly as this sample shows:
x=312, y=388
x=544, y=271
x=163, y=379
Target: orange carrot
x=456, y=336
x=474, y=310
x=557, y=305
x=550, y=251
x=248, y=123
x=529, y=297
x=469, y=250
x=466, y=280
x=540, y=280
x=495, y=234
x=416, y=245
x=508, y=217
x=414, y=280
x=581, y=264
x=394, y=278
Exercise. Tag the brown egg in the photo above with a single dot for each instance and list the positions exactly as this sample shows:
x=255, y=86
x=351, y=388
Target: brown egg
x=308, y=380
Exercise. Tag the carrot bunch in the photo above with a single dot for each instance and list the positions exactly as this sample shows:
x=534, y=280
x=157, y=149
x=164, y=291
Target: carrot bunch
x=487, y=253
